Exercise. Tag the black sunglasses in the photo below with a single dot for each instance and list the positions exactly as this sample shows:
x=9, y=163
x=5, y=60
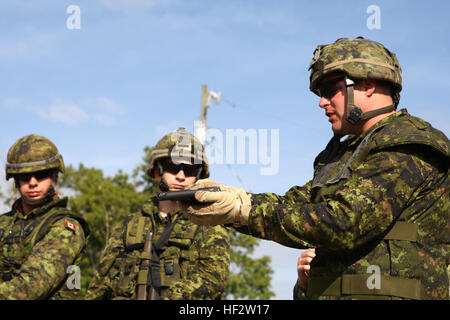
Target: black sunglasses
x=329, y=88
x=188, y=169
x=39, y=175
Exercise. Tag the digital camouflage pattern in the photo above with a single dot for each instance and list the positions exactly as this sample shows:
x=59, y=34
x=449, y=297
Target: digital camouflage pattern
x=358, y=58
x=33, y=153
x=178, y=146
x=36, y=267
x=194, y=263
x=362, y=187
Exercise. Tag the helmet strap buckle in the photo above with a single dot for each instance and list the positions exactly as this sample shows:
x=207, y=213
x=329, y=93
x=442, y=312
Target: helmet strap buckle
x=354, y=113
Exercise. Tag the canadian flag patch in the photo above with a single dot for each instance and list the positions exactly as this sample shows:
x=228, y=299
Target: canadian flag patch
x=70, y=225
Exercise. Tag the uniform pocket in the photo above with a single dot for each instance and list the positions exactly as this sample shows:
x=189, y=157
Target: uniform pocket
x=170, y=266
x=123, y=275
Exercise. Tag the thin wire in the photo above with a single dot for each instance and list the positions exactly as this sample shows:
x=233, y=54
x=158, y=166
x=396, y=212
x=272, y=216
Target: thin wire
x=231, y=168
x=234, y=105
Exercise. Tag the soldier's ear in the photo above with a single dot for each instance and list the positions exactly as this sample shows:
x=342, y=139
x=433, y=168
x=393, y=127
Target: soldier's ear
x=160, y=170
x=369, y=86
x=157, y=172
x=54, y=176
x=17, y=183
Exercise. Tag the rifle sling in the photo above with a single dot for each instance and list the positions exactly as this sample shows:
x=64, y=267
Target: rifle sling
x=154, y=277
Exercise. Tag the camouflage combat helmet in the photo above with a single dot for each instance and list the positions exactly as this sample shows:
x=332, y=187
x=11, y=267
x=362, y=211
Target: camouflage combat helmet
x=180, y=146
x=33, y=153
x=357, y=58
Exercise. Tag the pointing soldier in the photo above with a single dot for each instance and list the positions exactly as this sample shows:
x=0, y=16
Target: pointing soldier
x=39, y=238
x=379, y=199
x=158, y=253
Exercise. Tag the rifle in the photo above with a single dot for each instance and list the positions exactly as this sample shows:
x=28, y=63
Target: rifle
x=184, y=195
x=145, y=291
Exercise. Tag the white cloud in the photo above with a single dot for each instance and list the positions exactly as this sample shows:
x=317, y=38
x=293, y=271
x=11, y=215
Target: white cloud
x=109, y=105
x=101, y=110
x=17, y=48
x=130, y=4
x=104, y=119
x=35, y=44
x=65, y=112
x=12, y=103
x=107, y=110
x=221, y=16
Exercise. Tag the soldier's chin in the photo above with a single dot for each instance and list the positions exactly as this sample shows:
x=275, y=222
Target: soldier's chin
x=48, y=195
x=34, y=201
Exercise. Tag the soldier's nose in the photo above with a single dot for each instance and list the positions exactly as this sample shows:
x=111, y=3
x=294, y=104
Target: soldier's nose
x=323, y=102
x=33, y=180
x=180, y=175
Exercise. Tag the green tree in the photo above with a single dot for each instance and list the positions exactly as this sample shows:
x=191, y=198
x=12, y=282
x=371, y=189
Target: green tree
x=106, y=201
x=103, y=202
x=249, y=277
x=145, y=184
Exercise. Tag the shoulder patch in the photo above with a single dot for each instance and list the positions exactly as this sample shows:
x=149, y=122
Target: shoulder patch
x=70, y=226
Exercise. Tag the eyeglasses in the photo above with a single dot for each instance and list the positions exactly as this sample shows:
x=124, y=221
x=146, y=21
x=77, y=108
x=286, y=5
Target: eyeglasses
x=188, y=169
x=329, y=88
x=39, y=175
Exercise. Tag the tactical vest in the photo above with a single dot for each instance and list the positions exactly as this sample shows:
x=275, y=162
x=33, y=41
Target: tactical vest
x=177, y=256
x=15, y=246
x=332, y=165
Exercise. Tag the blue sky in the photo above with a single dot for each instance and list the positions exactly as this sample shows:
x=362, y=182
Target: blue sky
x=134, y=71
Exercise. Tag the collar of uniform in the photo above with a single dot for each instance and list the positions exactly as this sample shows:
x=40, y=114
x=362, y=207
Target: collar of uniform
x=353, y=140
x=56, y=202
x=383, y=121
x=150, y=207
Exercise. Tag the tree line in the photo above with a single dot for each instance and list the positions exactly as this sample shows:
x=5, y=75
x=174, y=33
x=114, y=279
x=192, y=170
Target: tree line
x=105, y=201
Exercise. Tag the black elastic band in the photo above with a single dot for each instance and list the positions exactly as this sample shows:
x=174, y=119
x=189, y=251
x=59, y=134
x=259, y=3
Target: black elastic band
x=154, y=277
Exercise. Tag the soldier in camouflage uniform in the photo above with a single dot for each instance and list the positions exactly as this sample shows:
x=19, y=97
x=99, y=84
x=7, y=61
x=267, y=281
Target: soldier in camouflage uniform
x=377, y=208
x=39, y=238
x=188, y=261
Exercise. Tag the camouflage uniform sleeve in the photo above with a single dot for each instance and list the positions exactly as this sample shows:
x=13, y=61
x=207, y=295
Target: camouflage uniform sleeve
x=208, y=277
x=46, y=266
x=346, y=214
x=299, y=294
x=100, y=286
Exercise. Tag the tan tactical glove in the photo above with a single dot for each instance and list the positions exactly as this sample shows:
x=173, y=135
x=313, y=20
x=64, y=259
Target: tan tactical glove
x=230, y=205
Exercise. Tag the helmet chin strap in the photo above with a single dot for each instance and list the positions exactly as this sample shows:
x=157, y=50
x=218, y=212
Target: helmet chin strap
x=354, y=113
x=46, y=198
x=163, y=186
x=199, y=173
